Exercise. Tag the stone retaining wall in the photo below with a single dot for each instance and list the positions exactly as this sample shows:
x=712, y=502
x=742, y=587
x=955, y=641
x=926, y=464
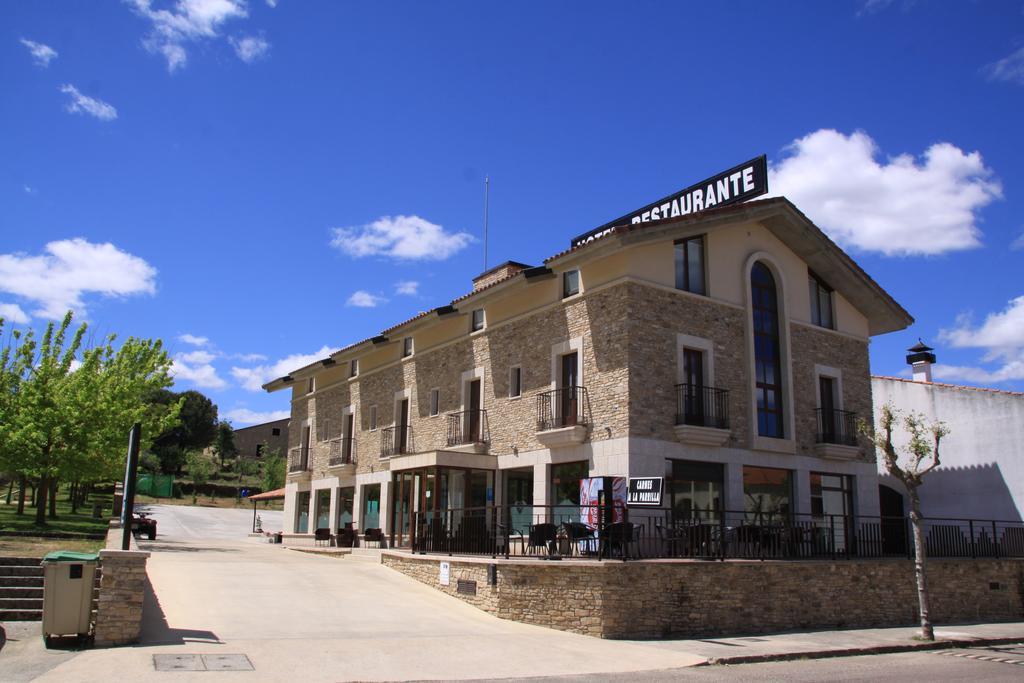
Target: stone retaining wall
x=656, y=599
x=122, y=589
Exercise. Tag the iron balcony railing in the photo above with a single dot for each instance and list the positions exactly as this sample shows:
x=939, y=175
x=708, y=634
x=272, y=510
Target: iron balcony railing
x=702, y=406
x=836, y=427
x=298, y=459
x=468, y=427
x=565, y=407
x=342, y=451
x=396, y=440
x=615, y=531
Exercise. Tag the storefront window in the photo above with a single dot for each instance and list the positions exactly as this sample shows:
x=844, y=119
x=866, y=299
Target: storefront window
x=519, y=497
x=323, y=509
x=831, y=494
x=565, y=482
x=768, y=493
x=302, y=512
x=346, y=505
x=371, y=506
x=694, y=489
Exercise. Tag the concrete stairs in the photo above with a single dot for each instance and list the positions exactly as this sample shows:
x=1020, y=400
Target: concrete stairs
x=21, y=589
x=365, y=555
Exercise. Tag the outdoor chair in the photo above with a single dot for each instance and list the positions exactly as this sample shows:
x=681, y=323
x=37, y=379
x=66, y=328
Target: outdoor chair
x=621, y=537
x=577, y=532
x=345, y=538
x=373, y=536
x=322, y=535
x=540, y=535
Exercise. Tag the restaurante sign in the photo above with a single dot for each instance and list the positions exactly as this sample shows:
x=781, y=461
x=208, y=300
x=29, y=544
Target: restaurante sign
x=738, y=184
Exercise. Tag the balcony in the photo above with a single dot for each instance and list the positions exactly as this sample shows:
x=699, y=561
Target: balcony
x=298, y=461
x=342, y=453
x=563, y=416
x=836, y=436
x=702, y=415
x=396, y=440
x=468, y=431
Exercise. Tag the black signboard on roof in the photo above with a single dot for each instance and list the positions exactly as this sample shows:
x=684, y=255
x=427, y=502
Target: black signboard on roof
x=738, y=184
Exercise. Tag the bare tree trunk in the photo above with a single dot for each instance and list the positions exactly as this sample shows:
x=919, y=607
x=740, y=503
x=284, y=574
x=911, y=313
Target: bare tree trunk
x=22, y=484
x=75, y=487
x=32, y=499
x=10, y=490
x=53, y=499
x=41, y=490
x=927, y=632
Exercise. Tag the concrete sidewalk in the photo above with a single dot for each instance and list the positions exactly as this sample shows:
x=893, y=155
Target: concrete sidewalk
x=819, y=644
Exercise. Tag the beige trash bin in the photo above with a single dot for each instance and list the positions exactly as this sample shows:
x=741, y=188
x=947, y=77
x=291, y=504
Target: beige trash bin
x=68, y=581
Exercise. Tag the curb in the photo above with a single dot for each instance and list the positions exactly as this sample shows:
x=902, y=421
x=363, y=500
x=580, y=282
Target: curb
x=855, y=651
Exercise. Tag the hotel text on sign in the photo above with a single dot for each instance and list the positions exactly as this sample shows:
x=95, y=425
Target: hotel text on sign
x=644, y=491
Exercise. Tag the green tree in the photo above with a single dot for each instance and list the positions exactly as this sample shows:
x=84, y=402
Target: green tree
x=69, y=419
x=196, y=429
x=15, y=362
x=921, y=457
x=224, y=443
x=274, y=466
x=199, y=471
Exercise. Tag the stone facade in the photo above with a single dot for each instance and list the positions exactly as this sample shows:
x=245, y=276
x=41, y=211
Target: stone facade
x=657, y=599
x=122, y=590
x=247, y=439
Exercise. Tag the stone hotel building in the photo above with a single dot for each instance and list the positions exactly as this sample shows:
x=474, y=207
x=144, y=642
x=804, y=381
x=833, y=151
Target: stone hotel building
x=726, y=351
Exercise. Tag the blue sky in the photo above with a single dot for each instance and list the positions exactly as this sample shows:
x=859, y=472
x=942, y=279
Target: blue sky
x=254, y=182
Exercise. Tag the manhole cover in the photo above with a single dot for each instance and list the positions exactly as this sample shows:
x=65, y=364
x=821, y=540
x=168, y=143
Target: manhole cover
x=227, y=663
x=202, y=663
x=178, y=663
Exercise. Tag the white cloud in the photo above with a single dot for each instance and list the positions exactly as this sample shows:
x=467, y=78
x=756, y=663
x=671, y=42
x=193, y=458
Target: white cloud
x=898, y=207
x=363, y=299
x=1001, y=336
x=196, y=367
x=12, y=313
x=58, y=279
x=407, y=287
x=254, y=378
x=193, y=339
x=1009, y=69
x=250, y=48
x=83, y=104
x=41, y=54
x=28, y=189
x=271, y=3
x=244, y=416
x=187, y=21
x=400, y=237
x=249, y=357
x=1019, y=242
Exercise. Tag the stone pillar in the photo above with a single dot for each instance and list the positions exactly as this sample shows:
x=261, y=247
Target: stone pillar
x=291, y=492
x=734, y=499
x=541, y=491
x=332, y=514
x=122, y=588
x=312, y=511
x=802, y=491
x=385, y=508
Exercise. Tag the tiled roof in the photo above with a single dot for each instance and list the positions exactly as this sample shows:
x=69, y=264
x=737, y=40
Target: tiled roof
x=949, y=386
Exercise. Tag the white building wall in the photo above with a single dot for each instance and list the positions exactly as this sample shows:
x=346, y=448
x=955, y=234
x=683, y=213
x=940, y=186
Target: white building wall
x=982, y=459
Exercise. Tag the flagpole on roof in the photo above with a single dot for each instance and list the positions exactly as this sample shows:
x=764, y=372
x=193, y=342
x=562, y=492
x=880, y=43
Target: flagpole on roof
x=487, y=187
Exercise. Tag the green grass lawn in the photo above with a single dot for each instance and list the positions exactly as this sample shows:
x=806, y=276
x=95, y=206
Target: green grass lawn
x=82, y=522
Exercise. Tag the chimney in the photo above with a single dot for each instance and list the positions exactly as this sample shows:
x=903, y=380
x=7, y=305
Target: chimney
x=921, y=359
x=499, y=272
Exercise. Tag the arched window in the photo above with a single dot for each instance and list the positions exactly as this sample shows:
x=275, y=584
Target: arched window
x=767, y=364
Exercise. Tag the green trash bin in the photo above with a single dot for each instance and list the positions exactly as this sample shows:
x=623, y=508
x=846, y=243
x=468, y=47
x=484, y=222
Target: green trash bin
x=68, y=581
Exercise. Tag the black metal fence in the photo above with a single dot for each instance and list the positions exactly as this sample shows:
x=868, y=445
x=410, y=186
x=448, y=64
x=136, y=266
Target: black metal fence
x=606, y=532
x=565, y=407
x=702, y=406
x=467, y=427
x=342, y=451
x=836, y=426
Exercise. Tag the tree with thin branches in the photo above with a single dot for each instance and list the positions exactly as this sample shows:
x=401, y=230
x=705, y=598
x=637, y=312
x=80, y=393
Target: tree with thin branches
x=920, y=456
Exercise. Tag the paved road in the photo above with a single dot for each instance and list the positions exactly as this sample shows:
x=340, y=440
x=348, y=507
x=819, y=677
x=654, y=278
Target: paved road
x=303, y=617
x=184, y=524
x=952, y=665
